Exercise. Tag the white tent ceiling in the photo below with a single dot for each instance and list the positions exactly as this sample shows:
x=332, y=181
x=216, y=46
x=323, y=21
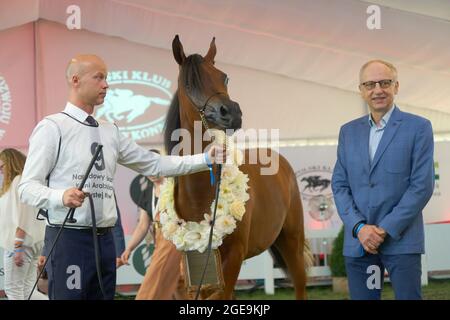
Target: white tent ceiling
x=321, y=42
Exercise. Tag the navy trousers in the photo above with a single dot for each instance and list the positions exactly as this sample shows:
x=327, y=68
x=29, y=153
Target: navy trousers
x=366, y=272
x=72, y=274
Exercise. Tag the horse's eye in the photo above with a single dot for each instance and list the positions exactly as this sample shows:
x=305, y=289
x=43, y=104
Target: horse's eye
x=226, y=80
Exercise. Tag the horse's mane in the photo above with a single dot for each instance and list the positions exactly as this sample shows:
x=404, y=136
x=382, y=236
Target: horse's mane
x=172, y=123
x=191, y=78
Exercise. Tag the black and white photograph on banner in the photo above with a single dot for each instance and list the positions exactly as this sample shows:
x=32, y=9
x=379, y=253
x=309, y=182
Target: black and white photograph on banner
x=252, y=153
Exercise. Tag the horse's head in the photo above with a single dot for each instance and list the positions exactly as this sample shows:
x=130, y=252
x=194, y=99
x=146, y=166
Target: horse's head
x=203, y=88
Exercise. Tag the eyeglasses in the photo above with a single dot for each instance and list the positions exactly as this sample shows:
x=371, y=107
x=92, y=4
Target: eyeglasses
x=384, y=84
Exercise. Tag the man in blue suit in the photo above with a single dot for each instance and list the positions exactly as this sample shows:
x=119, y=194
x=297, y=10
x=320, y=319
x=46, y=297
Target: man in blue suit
x=383, y=178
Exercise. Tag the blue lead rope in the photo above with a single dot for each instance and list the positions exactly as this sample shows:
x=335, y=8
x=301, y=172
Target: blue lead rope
x=211, y=174
x=210, y=166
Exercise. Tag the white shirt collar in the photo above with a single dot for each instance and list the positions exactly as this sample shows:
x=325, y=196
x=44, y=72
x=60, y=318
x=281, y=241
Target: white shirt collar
x=75, y=112
x=384, y=120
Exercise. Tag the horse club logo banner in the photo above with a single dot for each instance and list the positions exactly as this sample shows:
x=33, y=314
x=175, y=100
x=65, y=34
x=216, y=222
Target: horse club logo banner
x=5, y=106
x=313, y=167
x=314, y=183
x=137, y=102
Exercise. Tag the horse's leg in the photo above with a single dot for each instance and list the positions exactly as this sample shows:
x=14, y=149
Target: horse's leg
x=290, y=247
x=232, y=257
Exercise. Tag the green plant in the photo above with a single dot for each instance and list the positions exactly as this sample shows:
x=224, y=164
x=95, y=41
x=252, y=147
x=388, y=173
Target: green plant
x=337, y=264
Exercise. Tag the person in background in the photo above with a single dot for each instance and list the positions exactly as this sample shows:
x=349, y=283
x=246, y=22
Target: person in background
x=162, y=280
x=21, y=234
x=119, y=238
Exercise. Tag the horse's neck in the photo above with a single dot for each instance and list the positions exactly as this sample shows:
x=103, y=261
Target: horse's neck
x=194, y=196
x=194, y=193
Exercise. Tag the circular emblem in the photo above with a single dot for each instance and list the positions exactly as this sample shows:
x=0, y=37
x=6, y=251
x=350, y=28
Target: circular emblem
x=315, y=188
x=5, y=106
x=137, y=102
x=141, y=192
x=142, y=257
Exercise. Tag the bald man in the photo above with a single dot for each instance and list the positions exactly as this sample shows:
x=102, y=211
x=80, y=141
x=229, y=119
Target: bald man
x=61, y=148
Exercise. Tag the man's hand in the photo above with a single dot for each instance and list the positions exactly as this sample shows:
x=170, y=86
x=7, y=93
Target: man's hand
x=371, y=237
x=73, y=198
x=18, y=258
x=381, y=232
x=40, y=263
x=217, y=154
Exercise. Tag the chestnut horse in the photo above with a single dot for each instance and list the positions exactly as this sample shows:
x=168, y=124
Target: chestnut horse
x=274, y=215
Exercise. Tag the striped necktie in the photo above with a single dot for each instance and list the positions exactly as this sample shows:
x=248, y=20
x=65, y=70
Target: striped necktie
x=91, y=121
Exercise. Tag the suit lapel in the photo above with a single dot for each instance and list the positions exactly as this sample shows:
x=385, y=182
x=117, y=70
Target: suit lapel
x=389, y=133
x=364, y=143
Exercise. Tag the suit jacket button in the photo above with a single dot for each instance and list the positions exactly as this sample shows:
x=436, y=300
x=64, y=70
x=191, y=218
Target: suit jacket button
x=371, y=185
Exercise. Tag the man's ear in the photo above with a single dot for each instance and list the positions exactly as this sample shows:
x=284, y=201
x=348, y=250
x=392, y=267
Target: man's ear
x=75, y=81
x=397, y=85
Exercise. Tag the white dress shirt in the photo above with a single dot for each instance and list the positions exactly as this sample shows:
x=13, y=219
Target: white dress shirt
x=78, y=142
x=376, y=132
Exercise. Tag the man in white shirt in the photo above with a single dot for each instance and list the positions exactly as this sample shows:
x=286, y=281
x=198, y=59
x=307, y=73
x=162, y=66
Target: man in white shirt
x=61, y=147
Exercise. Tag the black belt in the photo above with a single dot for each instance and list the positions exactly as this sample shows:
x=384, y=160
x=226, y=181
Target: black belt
x=100, y=231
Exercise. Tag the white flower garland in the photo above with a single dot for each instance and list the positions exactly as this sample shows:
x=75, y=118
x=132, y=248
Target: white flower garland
x=188, y=235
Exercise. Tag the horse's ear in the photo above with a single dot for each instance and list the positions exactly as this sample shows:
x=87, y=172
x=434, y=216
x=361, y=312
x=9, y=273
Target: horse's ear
x=212, y=51
x=177, y=49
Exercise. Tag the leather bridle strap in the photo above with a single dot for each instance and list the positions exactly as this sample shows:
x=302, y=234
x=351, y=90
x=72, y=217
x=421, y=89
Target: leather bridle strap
x=203, y=108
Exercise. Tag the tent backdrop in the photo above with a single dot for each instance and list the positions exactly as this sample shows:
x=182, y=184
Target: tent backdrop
x=293, y=64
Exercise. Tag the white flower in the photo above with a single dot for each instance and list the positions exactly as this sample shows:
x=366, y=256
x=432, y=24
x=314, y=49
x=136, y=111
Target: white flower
x=225, y=224
x=238, y=158
x=179, y=241
x=207, y=221
x=166, y=196
x=219, y=136
x=231, y=207
x=226, y=193
x=229, y=172
x=237, y=210
x=169, y=229
x=222, y=207
x=240, y=195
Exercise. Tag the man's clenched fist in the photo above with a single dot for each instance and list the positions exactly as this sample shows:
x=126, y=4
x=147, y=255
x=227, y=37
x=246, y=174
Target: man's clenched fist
x=73, y=198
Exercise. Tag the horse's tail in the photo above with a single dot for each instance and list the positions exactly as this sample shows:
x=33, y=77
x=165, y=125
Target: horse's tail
x=307, y=255
x=305, y=248
x=308, y=258
x=279, y=261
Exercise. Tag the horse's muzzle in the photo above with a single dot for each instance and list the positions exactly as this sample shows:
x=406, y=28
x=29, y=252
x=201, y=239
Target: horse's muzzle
x=225, y=115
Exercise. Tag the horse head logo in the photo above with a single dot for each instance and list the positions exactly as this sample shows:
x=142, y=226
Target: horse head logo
x=123, y=103
x=313, y=182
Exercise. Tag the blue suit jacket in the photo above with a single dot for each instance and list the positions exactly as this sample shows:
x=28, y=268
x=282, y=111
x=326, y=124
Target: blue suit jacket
x=391, y=192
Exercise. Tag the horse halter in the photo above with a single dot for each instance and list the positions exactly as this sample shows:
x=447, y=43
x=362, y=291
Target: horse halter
x=202, y=109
